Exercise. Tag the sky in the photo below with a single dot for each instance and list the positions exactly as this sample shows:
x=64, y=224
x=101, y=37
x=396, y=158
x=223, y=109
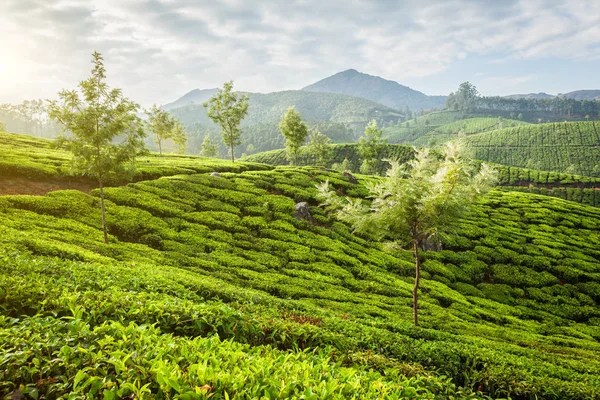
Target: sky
x=158, y=50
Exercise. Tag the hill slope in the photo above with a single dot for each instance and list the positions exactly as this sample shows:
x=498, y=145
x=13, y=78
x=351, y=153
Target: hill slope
x=389, y=93
x=581, y=189
x=440, y=126
x=572, y=147
x=211, y=286
x=196, y=96
x=341, y=117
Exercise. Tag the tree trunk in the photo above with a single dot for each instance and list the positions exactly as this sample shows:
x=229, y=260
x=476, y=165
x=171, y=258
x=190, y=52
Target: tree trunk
x=415, y=292
x=159, y=148
x=103, y=213
x=232, y=159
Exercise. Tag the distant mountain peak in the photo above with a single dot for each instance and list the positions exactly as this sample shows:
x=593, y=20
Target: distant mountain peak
x=194, y=96
x=375, y=88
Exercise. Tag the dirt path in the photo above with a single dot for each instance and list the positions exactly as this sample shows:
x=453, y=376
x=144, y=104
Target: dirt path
x=24, y=186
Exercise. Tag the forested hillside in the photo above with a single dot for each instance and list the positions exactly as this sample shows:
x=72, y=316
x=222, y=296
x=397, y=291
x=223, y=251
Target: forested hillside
x=341, y=117
x=572, y=147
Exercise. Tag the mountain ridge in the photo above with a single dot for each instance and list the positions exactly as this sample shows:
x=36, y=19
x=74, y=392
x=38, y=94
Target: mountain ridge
x=384, y=91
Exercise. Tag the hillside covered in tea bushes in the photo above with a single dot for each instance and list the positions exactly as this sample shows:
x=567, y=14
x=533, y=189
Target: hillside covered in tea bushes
x=582, y=189
x=211, y=288
x=572, y=147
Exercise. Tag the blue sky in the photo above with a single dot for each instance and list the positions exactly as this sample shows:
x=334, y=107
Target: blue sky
x=157, y=50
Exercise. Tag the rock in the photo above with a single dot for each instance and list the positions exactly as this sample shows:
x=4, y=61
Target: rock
x=350, y=177
x=303, y=212
x=432, y=244
x=216, y=174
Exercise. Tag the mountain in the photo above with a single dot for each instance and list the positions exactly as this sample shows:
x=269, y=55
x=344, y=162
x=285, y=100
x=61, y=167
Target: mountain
x=389, y=93
x=196, y=96
x=530, y=96
x=576, y=95
x=582, y=95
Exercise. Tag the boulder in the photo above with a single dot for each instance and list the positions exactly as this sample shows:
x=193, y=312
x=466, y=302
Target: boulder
x=303, y=212
x=216, y=174
x=350, y=177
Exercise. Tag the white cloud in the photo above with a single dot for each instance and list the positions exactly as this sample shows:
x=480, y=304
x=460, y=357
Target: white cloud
x=157, y=50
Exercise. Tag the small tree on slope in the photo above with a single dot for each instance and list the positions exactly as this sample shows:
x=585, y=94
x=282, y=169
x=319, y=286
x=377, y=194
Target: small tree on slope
x=164, y=126
x=294, y=130
x=228, y=109
x=319, y=146
x=95, y=118
x=415, y=202
x=370, y=149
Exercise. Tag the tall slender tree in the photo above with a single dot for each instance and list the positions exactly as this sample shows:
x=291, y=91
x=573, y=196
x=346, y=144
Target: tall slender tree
x=95, y=117
x=227, y=109
x=415, y=202
x=294, y=130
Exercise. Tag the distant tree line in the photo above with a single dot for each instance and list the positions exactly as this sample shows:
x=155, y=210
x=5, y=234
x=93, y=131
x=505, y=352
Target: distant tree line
x=30, y=117
x=468, y=100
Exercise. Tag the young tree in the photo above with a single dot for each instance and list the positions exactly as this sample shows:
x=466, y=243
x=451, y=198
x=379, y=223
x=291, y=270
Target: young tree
x=227, y=109
x=209, y=148
x=415, y=202
x=294, y=130
x=95, y=116
x=465, y=99
x=164, y=126
x=370, y=149
x=179, y=136
x=319, y=146
x=343, y=166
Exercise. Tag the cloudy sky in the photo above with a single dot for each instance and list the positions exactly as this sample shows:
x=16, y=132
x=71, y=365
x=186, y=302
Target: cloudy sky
x=157, y=50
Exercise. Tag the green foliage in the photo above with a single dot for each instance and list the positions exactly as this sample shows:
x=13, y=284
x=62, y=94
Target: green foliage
x=569, y=147
x=465, y=98
x=294, y=130
x=164, y=127
x=371, y=148
x=209, y=148
x=341, y=118
x=415, y=202
x=95, y=118
x=319, y=146
x=227, y=109
x=210, y=285
x=2, y=126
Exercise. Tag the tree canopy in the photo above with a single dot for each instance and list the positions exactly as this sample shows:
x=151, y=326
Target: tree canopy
x=370, y=148
x=319, y=146
x=294, y=130
x=415, y=202
x=209, y=147
x=164, y=126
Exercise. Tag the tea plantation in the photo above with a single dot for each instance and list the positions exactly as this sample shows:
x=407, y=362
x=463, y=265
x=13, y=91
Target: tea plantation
x=211, y=288
x=582, y=189
x=571, y=147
